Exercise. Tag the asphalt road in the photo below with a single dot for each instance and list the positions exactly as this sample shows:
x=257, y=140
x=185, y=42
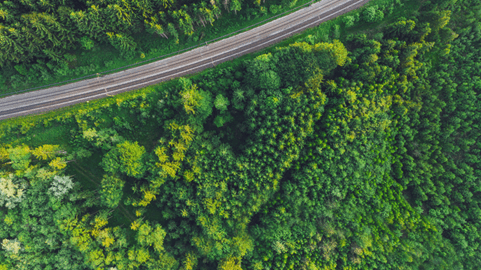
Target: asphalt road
x=176, y=66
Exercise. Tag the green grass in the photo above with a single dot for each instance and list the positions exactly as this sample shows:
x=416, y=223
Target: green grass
x=38, y=135
x=89, y=179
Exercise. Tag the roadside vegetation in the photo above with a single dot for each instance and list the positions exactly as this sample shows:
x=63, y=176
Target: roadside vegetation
x=352, y=146
x=44, y=44
x=49, y=42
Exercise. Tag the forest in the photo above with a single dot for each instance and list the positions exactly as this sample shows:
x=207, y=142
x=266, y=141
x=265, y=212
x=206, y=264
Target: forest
x=48, y=41
x=347, y=150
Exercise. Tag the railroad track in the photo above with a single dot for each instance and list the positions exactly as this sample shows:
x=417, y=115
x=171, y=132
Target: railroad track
x=183, y=64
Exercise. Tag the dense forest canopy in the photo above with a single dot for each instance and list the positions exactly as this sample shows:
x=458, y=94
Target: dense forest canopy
x=45, y=30
x=358, y=153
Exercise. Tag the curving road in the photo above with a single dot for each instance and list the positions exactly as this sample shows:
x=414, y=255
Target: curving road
x=179, y=65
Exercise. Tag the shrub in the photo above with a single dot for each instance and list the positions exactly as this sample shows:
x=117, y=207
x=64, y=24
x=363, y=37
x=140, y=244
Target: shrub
x=336, y=31
x=21, y=69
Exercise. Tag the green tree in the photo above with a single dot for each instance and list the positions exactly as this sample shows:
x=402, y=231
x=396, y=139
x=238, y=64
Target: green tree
x=20, y=157
x=223, y=118
x=126, y=157
x=111, y=190
x=372, y=14
x=348, y=21
x=221, y=103
x=235, y=5
x=269, y=80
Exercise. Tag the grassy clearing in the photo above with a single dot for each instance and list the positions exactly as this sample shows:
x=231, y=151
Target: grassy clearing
x=16, y=129
x=38, y=134
x=87, y=179
x=88, y=173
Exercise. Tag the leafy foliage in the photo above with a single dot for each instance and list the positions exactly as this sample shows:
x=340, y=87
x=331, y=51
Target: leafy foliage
x=126, y=157
x=111, y=192
x=60, y=186
x=359, y=153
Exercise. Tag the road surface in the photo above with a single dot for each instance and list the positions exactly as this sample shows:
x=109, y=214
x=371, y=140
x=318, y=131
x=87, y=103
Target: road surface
x=176, y=66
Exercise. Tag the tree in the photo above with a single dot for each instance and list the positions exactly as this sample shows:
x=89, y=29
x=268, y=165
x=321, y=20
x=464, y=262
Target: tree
x=123, y=42
x=173, y=32
x=194, y=99
x=126, y=157
x=221, y=103
x=372, y=14
x=20, y=157
x=274, y=9
x=11, y=191
x=223, y=118
x=269, y=80
x=259, y=65
x=46, y=151
x=235, y=5
x=400, y=29
x=30, y=204
x=438, y=19
x=61, y=186
x=349, y=21
x=111, y=190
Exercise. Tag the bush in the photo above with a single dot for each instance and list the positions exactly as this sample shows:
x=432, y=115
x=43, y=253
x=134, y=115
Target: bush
x=21, y=69
x=109, y=63
x=310, y=39
x=2, y=79
x=379, y=16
